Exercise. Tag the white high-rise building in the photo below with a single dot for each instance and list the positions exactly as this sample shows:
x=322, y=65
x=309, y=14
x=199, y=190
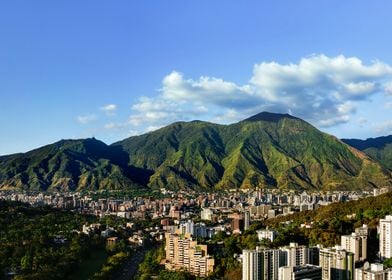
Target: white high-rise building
x=356, y=244
x=375, y=271
x=206, y=214
x=385, y=229
x=260, y=264
x=295, y=254
x=337, y=264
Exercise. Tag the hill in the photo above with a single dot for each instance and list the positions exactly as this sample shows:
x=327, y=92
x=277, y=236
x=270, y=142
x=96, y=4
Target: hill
x=67, y=165
x=265, y=150
x=379, y=148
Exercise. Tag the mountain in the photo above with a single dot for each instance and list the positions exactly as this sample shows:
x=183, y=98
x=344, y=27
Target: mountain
x=265, y=150
x=379, y=148
x=67, y=165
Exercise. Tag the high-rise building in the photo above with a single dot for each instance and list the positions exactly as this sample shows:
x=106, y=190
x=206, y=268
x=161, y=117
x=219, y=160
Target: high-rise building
x=184, y=253
x=356, y=244
x=237, y=222
x=246, y=220
x=297, y=255
x=337, y=264
x=375, y=271
x=206, y=214
x=260, y=264
x=251, y=265
x=259, y=211
x=265, y=263
x=308, y=271
x=385, y=230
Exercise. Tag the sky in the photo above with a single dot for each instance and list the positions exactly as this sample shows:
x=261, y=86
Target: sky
x=113, y=69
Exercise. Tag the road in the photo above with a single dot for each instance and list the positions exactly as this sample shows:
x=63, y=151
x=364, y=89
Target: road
x=129, y=268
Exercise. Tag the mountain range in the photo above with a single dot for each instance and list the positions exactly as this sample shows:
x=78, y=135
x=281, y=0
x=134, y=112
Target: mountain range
x=379, y=148
x=266, y=150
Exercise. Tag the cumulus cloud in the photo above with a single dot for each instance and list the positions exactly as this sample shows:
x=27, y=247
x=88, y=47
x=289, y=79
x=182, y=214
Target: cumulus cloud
x=87, y=118
x=320, y=89
x=109, y=109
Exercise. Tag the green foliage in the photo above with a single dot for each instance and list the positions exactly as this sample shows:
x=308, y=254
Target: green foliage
x=174, y=275
x=113, y=263
x=379, y=148
x=28, y=241
x=86, y=164
x=332, y=221
x=150, y=265
x=388, y=263
x=268, y=150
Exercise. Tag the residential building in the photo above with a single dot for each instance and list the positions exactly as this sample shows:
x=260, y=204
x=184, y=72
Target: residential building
x=385, y=230
x=260, y=264
x=206, y=214
x=297, y=255
x=183, y=253
x=337, y=264
x=246, y=220
x=266, y=234
x=374, y=271
x=237, y=222
x=356, y=244
x=307, y=271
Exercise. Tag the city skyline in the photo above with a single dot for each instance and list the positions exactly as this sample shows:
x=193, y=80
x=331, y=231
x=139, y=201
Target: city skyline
x=78, y=70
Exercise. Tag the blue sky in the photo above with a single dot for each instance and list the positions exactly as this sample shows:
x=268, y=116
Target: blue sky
x=111, y=69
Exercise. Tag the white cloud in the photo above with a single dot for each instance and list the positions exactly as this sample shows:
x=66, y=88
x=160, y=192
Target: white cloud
x=87, y=118
x=109, y=109
x=214, y=91
x=132, y=133
x=115, y=126
x=388, y=88
x=384, y=128
x=320, y=89
x=362, y=120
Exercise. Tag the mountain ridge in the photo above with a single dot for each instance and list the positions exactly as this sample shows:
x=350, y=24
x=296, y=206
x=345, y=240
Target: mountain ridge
x=378, y=148
x=266, y=150
x=245, y=154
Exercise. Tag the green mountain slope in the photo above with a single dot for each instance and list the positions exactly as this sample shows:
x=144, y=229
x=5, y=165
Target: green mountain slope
x=266, y=150
x=67, y=165
x=379, y=148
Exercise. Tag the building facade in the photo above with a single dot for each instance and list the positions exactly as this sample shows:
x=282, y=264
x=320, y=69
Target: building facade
x=336, y=263
x=373, y=272
x=183, y=253
x=308, y=271
x=260, y=264
x=385, y=230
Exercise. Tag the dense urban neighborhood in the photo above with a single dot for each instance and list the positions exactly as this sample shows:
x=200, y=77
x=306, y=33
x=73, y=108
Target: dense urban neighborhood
x=249, y=234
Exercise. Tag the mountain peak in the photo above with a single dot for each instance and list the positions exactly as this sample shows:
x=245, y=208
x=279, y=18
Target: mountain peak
x=269, y=117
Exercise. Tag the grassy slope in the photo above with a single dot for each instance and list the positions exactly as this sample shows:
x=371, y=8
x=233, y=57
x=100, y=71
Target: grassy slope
x=379, y=148
x=285, y=152
x=65, y=165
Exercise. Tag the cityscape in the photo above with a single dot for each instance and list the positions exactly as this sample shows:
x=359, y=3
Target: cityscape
x=195, y=140
x=187, y=225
